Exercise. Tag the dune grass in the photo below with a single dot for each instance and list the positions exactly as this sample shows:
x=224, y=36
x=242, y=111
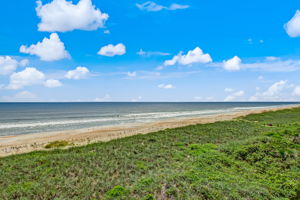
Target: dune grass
x=58, y=144
x=254, y=157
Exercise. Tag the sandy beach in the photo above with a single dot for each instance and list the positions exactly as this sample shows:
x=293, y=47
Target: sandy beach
x=30, y=142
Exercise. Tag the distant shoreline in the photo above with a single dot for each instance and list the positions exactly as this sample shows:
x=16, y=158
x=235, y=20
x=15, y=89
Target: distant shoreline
x=10, y=145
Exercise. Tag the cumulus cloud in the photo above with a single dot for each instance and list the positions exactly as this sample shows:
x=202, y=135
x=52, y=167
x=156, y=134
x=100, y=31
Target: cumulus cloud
x=50, y=49
x=24, y=62
x=278, y=91
x=78, y=73
x=276, y=88
x=8, y=64
x=112, y=50
x=141, y=52
x=151, y=6
x=62, y=16
x=232, y=64
x=193, y=56
x=166, y=86
x=292, y=27
x=29, y=76
x=234, y=95
x=296, y=91
x=52, y=83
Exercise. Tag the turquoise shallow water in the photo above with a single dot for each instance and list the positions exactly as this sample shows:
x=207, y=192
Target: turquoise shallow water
x=24, y=118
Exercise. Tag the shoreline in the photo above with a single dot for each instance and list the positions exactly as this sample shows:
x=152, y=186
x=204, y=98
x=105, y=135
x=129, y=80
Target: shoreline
x=25, y=143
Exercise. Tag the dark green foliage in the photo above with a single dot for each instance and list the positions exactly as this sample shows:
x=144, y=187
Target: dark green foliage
x=118, y=192
x=238, y=159
x=58, y=144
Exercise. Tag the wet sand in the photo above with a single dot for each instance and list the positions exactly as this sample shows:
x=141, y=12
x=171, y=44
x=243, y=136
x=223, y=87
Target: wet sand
x=30, y=142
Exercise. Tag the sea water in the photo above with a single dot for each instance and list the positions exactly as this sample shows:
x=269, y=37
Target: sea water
x=24, y=118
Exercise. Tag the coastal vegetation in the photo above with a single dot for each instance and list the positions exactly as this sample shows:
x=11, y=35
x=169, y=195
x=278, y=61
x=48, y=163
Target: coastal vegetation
x=252, y=157
x=58, y=144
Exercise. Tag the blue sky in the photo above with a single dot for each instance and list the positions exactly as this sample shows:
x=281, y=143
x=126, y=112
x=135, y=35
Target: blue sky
x=184, y=50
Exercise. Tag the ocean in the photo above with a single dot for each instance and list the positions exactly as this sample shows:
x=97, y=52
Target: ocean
x=25, y=118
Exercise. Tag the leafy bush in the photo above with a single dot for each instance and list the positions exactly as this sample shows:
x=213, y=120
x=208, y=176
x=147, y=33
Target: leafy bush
x=116, y=193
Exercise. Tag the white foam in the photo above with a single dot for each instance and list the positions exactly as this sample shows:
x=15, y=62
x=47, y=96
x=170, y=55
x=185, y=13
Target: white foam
x=123, y=119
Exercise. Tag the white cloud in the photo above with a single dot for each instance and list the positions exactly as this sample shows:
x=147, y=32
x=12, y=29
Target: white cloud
x=234, y=95
x=275, y=88
x=112, y=50
x=292, y=28
x=228, y=90
x=239, y=93
x=25, y=95
x=141, y=52
x=103, y=99
x=7, y=65
x=52, y=83
x=296, y=91
x=48, y=50
x=253, y=98
x=278, y=91
x=22, y=96
x=78, y=73
x=274, y=66
x=193, y=56
x=230, y=98
x=106, y=32
x=271, y=58
x=269, y=64
x=24, y=62
x=154, y=7
x=131, y=74
x=166, y=86
x=176, y=6
x=233, y=64
x=150, y=6
x=29, y=76
x=62, y=16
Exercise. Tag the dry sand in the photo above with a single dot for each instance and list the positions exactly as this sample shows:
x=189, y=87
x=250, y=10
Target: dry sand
x=30, y=142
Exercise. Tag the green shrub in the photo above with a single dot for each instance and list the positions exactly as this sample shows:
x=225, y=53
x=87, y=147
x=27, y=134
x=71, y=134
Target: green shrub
x=58, y=144
x=116, y=193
